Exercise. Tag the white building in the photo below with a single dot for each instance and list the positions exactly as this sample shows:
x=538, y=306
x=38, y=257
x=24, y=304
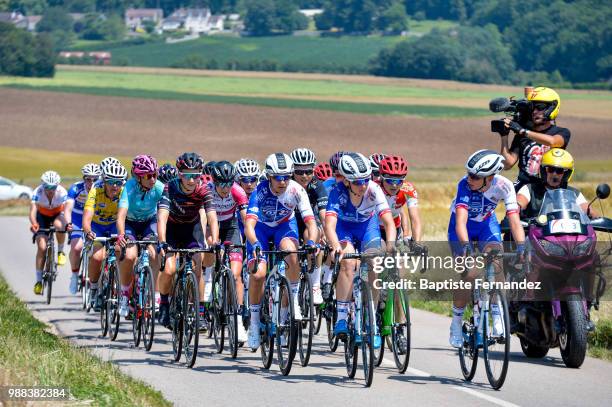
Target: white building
x=135, y=17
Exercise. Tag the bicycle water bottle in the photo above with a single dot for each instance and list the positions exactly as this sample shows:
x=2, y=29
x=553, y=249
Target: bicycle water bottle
x=145, y=258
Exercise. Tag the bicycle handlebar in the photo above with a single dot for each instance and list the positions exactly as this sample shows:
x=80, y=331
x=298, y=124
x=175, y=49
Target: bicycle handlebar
x=184, y=251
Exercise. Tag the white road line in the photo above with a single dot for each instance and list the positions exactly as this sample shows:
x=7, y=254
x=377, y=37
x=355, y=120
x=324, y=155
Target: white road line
x=486, y=397
x=412, y=370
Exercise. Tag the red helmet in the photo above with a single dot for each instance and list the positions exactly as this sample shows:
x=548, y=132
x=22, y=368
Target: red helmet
x=323, y=171
x=206, y=178
x=393, y=166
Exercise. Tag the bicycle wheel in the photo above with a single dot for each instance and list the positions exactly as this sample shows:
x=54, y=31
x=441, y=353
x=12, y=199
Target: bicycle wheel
x=217, y=306
x=267, y=334
x=176, y=320
x=400, y=330
x=380, y=352
x=148, y=308
x=191, y=319
x=331, y=316
x=83, y=280
x=318, y=317
x=137, y=317
x=368, y=321
x=48, y=274
x=113, y=303
x=468, y=352
x=231, y=313
x=103, y=289
x=351, y=350
x=286, y=330
x=496, y=340
x=307, y=325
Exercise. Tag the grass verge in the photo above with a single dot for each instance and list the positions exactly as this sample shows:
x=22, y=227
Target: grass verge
x=32, y=356
x=600, y=341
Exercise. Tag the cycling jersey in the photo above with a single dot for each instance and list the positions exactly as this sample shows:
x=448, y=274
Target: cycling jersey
x=78, y=194
x=329, y=183
x=141, y=205
x=317, y=195
x=340, y=205
x=273, y=210
x=185, y=208
x=481, y=205
x=407, y=195
x=51, y=207
x=227, y=208
x=104, y=209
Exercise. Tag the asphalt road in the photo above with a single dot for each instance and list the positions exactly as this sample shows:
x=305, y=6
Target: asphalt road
x=433, y=378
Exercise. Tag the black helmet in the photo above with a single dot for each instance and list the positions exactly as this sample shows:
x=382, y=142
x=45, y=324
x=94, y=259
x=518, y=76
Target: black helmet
x=189, y=161
x=167, y=173
x=223, y=171
x=208, y=168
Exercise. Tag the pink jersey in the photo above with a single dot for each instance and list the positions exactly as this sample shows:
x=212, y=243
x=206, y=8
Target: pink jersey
x=226, y=207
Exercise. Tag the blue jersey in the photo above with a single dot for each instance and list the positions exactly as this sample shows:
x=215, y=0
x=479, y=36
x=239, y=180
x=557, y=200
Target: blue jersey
x=481, y=205
x=273, y=210
x=141, y=205
x=78, y=194
x=329, y=183
x=373, y=203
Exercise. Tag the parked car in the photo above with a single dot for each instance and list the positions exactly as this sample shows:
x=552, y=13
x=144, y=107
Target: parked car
x=11, y=190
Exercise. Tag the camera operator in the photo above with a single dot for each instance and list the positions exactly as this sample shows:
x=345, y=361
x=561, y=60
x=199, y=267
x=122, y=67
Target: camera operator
x=538, y=136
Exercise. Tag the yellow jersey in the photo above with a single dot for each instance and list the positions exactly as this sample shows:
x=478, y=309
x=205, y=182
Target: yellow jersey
x=104, y=209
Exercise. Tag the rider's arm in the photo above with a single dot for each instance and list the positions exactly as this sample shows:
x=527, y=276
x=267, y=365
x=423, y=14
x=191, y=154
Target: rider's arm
x=249, y=229
x=555, y=140
x=510, y=156
x=68, y=210
x=162, y=221
x=121, y=214
x=87, y=216
x=390, y=232
x=242, y=214
x=415, y=223
x=313, y=230
x=213, y=224
x=518, y=234
x=33, y=211
x=461, y=218
x=523, y=196
x=330, y=230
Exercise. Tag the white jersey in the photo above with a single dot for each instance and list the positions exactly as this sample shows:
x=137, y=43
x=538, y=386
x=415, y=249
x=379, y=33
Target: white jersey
x=373, y=202
x=276, y=209
x=49, y=207
x=481, y=205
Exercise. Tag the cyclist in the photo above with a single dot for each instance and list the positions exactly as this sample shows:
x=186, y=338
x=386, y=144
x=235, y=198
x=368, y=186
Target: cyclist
x=402, y=197
x=230, y=202
x=100, y=215
x=167, y=173
x=46, y=210
x=528, y=145
x=271, y=216
x=73, y=212
x=375, y=160
x=351, y=222
x=136, y=219
x=334, y=160
x=323, y=171
x=183, y=213
x=473, y=218
x=247, y=171
x=304, y=161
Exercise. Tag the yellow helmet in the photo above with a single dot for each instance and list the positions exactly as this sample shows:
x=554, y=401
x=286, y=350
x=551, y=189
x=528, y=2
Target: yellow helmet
x=557, y=158
x=546, y=95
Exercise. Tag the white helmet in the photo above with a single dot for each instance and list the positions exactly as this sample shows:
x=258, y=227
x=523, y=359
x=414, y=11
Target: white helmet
x=247, y=167
x=484, y=163
x=375, y=160
x=51, y=178
x=354, y=166
x=91, y=170
x=113, y=169
x=303, y=156
x=279, y=164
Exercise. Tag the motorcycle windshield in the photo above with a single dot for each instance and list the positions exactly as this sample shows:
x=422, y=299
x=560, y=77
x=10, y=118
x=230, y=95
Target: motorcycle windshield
x=562, y=212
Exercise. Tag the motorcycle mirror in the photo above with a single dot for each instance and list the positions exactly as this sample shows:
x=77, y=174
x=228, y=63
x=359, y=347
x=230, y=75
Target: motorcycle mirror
x=602, y=191
x=499, y=105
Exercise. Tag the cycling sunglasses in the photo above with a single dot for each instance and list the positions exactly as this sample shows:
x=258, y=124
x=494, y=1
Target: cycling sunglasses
x=360, y=182
x=190, y=175
x=474, y=177
x=224, y=184
x=393, y=181
x=281, y=178
x=303, y=172
x=50, y=187
x=114, y=182
x=555, y=170
x=248, y=180
x=90, y=179
x=149, y=176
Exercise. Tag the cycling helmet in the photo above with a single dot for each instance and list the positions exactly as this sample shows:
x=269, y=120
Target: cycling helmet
x=50, y=178
x=557, y=158
x=279, y=164
x=223, y=171
x=114, y=171
x=548, y=96
x=247, y=167
x=303, y=156
x=143, y=165
x=167, y=173
x=393, y=166
x=91, y=170
x=189, y=161
x=334, y=160
x=375, y=160
x=323, y=171
x=354, y=166
x=108, y=161
x=484, y=163
x=208, y=168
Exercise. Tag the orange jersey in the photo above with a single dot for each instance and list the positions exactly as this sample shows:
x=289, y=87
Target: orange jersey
x=407, y=195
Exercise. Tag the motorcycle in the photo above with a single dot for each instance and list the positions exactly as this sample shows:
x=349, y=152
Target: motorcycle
x=562, y=258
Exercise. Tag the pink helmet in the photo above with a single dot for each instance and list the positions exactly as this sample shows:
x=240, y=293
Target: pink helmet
x=144, y=164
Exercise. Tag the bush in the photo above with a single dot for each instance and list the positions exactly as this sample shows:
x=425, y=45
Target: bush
x=419, y=16
x=602, y=337
x=23, y=54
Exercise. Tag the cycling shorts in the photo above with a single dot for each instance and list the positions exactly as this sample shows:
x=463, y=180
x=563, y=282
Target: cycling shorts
x=362, y=235
x=184, y=235
x=265, y=233
x=77, y=223
x=103, y=230
x=141, y=230
x=45, y=222
x=483, y=232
